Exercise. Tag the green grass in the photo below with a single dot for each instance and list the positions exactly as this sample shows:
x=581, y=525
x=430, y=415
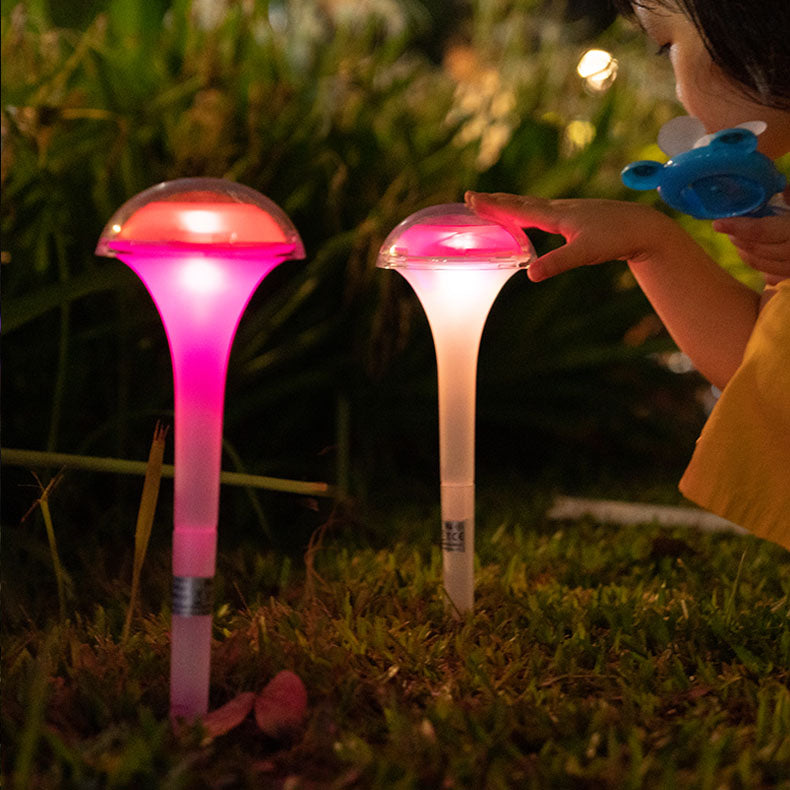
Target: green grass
x=597, y=657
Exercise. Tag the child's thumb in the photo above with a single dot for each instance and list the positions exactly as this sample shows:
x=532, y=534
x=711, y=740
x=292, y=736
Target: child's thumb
x=563, y=259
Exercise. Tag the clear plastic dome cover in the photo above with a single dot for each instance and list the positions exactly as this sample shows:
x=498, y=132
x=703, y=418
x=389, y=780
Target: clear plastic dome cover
x=452, y=235
x=194, y=214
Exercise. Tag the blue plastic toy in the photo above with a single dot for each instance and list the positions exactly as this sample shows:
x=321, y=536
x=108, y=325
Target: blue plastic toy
x=727, y=177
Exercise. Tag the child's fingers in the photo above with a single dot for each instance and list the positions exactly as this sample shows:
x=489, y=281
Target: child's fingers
x=529, y=212
x=766, y=265
x=525, y=211
x=763, y=243
x=770, y=252
x=767, y=230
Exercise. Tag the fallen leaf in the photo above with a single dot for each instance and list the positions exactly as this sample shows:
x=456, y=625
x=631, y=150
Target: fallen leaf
x=281, y=707
x=230, y=715
x=698, y=691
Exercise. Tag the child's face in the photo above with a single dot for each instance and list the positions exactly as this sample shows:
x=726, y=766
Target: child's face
x=703, y=89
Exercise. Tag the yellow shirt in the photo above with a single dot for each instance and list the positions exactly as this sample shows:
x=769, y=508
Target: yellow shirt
x=740, y=468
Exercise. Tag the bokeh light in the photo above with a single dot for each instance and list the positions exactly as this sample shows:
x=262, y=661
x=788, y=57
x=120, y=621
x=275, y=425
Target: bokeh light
x=598, y=69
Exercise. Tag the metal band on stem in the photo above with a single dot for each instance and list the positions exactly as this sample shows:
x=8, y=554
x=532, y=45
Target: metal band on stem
x=192, y=595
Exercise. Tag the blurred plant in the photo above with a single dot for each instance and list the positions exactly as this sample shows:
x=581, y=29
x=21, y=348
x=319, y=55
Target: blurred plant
x=348, y=118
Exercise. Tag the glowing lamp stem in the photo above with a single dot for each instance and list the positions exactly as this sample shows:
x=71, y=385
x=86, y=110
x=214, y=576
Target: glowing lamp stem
x=200, y=301
x=457, y=302
x=199, y=387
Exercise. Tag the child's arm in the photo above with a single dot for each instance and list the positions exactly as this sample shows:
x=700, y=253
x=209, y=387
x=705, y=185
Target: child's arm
x=709, y=314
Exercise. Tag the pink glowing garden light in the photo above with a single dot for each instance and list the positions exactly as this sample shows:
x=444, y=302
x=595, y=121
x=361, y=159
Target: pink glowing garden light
x=456, y=262
x=201, y=246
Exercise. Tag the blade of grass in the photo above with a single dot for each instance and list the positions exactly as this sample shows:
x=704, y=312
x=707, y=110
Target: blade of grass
x=235, y=458
x=729, y=606
x=145, y=518
x=121, y=466
x=343, y=442
x=43, y=503
x=34, y=718
x=22, y=309
x=63, y=345
x=53, y=547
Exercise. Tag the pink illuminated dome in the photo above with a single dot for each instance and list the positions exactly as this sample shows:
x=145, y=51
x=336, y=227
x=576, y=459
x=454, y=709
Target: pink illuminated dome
x=452, y=236
x=197, y=214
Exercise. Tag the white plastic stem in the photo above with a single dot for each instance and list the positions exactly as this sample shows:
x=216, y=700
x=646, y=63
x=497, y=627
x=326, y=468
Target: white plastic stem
x=457, y=301
x=190, y=664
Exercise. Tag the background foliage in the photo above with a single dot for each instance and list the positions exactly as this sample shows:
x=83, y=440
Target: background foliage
x=351, y=117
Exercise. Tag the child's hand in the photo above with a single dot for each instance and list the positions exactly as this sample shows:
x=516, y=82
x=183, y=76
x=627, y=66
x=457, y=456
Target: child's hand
x=763, y=243
x=708, y=312
x=595, y=230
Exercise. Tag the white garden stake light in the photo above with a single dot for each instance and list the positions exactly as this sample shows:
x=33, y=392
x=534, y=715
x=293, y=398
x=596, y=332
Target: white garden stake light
x=456, y=262
x=201, y=246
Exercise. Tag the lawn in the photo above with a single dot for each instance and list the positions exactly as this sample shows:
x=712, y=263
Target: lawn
x=598, y=656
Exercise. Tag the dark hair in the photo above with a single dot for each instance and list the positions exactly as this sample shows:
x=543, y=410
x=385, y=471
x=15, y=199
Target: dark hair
x=749, y=40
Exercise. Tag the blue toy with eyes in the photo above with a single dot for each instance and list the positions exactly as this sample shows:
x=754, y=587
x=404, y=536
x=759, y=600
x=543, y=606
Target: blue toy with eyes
x=723, y=175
